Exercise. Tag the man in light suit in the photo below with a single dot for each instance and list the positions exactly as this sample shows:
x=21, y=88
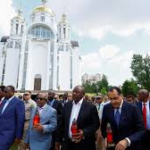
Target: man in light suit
x=12, y=116
x=87, y=120
x=125, y=120
x=39, y=137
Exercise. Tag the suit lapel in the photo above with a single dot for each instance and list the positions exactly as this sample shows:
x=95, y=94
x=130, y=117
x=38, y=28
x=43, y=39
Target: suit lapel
x=81, y=112
x=2, y=105
x=68, y=109
x=11, y=103
x=112, y=117
x=44, y=110
x=123, y=113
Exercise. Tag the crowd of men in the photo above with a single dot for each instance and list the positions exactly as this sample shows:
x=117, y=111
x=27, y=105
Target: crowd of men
x=129, y=120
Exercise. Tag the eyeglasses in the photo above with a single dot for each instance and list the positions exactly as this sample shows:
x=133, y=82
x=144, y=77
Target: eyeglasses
x=39, y=98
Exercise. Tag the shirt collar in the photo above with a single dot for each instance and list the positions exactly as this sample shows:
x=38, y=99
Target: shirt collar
x=42, y=107
x=145, y=103
x=121, y=104
x=11, y=98
x=80, y=102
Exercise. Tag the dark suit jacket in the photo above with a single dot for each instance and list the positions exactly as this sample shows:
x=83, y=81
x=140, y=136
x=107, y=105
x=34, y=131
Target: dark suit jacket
x=87, y=121
x=12, y=121
x=131, y=124
x=59, y=108
x=146, y=138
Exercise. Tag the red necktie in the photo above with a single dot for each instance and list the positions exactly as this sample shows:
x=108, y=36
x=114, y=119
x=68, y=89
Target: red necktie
x=144, y=116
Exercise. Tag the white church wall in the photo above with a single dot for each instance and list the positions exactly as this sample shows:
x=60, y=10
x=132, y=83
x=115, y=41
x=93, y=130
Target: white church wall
x=37, y=64
x=64, y=70
x=76, y=67
x=11, y=69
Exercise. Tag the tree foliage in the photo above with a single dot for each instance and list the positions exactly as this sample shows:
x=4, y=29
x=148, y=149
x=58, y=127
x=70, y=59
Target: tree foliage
x=130, y=87
x=100, y=86
x=141, y=70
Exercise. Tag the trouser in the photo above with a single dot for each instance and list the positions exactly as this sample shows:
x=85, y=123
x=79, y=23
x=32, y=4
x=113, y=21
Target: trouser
x=5, y=147
x=21, y=145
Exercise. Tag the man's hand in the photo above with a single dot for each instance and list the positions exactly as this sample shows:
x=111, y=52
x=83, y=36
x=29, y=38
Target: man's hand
x=17, y=141
x=98, y=136
x=57, y=146
x=78, y=136
x=26, y=146
x=122, y=145
x=38, y=127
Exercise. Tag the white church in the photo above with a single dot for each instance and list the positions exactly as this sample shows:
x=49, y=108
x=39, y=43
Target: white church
x=41, y=55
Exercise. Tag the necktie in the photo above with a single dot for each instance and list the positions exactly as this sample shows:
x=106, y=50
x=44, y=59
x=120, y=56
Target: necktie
x=144, y=115
x=117, y=116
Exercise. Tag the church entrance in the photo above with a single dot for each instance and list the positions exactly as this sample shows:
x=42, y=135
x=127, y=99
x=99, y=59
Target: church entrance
x=37, y=82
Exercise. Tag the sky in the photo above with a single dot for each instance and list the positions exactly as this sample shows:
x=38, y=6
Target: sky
x=109, y=31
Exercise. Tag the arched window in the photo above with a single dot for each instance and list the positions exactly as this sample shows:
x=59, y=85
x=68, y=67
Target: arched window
x=41, y=32
x=10, y=45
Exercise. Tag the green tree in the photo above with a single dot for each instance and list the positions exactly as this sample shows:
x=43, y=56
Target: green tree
x=100, y=86
x=103, y=91
x=130, y=87
x=141, y=70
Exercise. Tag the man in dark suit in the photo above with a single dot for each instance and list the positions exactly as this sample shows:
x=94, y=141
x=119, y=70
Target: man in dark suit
x=125, y=120
x=65, y=98
x=2, y=94
x=56, y=137
x=86, y=116
x=12, y=116
x=144, y=106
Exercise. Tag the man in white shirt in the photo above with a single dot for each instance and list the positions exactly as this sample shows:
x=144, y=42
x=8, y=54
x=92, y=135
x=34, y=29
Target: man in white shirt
x=125, y=120
x=86, y=117
x=144, y=106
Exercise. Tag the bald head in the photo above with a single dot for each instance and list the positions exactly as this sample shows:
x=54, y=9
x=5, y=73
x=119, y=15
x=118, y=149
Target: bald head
x=143, y=95
x=42, y=99
x=78, y=93
x=51, y=95
x=9, y=91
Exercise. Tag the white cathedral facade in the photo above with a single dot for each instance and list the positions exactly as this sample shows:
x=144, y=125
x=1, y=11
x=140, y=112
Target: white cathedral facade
x=40, y=56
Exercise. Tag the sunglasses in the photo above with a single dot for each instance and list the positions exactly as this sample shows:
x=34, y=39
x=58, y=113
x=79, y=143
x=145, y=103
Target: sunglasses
x=39, y=98
x=26, y=94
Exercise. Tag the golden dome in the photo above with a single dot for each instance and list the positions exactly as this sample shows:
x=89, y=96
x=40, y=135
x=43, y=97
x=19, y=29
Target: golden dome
x=43, y=9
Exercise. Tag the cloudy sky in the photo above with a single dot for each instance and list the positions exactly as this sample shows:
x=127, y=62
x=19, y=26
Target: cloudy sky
x=109, y=31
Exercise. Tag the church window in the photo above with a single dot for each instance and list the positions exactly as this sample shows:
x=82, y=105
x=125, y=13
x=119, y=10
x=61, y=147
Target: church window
x=17, y=45
x=61, y=48
x=21, y=29
x=17, y=28
x=64, y=29
x=41, y=32
x=10, y=45
x=43, y=18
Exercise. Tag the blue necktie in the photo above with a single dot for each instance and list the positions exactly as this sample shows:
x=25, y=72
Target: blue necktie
x=117, y=116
